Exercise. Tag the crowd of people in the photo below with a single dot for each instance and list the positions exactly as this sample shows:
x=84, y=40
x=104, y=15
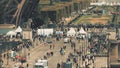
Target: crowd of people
x=85, y=57
x=15, y=53
x=93, y=46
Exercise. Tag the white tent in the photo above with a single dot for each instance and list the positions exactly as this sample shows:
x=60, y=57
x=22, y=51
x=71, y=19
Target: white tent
x=11, y=33
x=71, y=32
x=45, y=32
x=19, y=29
x=82, y=31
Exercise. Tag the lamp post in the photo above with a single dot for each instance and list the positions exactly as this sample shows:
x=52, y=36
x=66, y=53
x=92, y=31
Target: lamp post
x=108, y=60
x=0, y=56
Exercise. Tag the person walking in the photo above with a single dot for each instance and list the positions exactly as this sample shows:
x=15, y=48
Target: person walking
x=21, y=66
x=53, y=46
x=58, y=65
x=4, y=55
x=28, y=54
x=77, y=65
x=50, y=46
x=27, y=65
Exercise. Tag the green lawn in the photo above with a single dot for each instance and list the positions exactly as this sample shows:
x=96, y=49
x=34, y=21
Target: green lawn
x=87, y=18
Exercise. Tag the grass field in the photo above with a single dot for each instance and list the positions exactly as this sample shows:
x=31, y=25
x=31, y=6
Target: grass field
x=93, y=19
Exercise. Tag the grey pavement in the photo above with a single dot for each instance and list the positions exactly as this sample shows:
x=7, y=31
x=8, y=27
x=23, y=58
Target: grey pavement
x=41, y=49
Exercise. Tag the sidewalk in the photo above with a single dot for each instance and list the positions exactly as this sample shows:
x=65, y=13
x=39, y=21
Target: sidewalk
x=38, y=52
x=9, y=63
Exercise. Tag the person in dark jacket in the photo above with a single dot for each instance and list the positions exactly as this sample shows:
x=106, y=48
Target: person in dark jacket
x=58, y=65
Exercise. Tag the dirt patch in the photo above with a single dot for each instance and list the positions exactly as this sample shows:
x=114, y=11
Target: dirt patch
x=93, y=19
x=100, y=20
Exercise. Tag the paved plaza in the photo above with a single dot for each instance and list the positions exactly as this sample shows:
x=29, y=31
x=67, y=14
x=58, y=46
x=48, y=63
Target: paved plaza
x=41, y=48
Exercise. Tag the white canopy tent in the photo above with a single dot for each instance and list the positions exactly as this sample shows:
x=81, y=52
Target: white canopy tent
x=45, y=32
x=82, y=31
x=19, y=29
x=11, y=33
x=71, y=32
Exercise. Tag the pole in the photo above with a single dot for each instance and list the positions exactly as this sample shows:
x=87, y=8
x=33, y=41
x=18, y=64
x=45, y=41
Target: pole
x=108, y=53
x=0, y=57
x=108, y=59
x=7, y=55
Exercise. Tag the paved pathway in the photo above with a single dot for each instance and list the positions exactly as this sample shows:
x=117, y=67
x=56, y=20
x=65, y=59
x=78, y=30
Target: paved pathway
x=40, y=50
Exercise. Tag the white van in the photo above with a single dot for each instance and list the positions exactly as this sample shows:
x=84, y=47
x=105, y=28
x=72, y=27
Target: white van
x=41, y=64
